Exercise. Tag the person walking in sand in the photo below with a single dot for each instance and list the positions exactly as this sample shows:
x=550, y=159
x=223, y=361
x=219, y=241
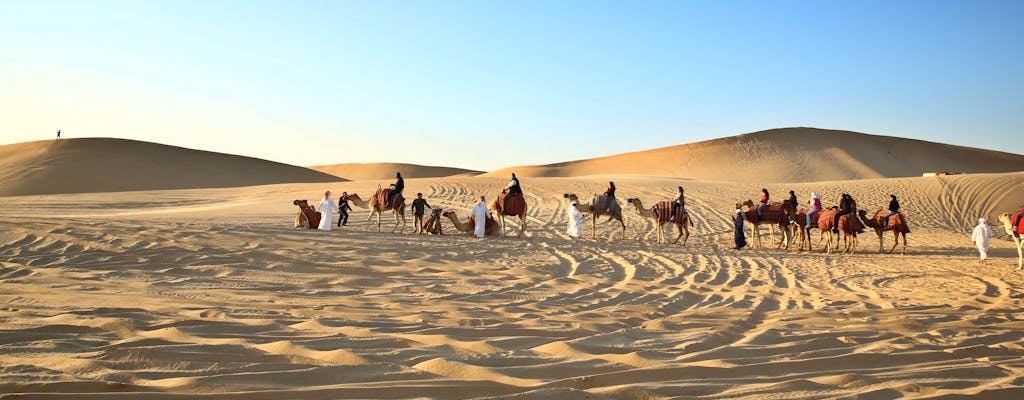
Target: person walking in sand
x=343, y=209
x=419, y=206
x=981, y=235
x=738, y=235
x=327, y=209
x=479, y=215
x=575, y=218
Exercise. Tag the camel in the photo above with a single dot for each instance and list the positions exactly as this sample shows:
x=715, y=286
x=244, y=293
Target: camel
x=766, y=219
x=681, y=226
x=1007, y=221
x=849, y=226
x=307, y=217
x=595, y=211
x=897, y=224
x=379, y=209
x=489, y=229
x=497, y=205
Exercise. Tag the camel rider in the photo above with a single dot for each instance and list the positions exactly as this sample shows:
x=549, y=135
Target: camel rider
x=815, y=207
x=792, y=201
x=763, y=203
x=678, y=203
x=894, y=208
x=610, y=200
x=396, y=188
x=513, y=189
x=846, y=205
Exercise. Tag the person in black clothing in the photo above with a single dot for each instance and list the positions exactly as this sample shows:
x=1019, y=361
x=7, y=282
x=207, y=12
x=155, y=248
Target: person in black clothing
x=418, y=207
x=894, y=207
x=396, y=188
x=678, y=203
x=343, y=208
x=513, y=189
x=845, y=207
x=610, y=192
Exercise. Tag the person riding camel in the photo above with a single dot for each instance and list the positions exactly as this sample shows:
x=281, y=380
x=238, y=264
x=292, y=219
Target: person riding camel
x=396, y=188
x=763, y=203
x=894, y=208
x=678, y=203
x=610, y=192
x=815, y=207
x=513, y=189
x=846, y=206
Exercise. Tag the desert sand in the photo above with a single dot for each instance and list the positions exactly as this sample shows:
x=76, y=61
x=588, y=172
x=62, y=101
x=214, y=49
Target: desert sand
x=789, y=155
x=209, y=293
x=371, y=171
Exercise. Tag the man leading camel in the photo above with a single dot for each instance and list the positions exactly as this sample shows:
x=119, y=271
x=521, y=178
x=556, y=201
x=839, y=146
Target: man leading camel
x=479, y=215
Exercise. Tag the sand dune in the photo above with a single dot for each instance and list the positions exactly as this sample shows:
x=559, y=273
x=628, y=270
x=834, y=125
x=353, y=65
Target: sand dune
x=788, y=155
x=208, y=293
x=378, y=171
x=112, y=165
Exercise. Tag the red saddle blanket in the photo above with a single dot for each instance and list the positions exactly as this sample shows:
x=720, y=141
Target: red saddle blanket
x=313, y=216
x=1020, y=226
x=516, y=205
x=772, y=213
x=663, y=213
x=896, y=222
x=381, y=196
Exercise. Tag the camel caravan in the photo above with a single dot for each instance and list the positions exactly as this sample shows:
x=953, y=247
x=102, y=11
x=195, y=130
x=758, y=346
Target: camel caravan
x=838, y=226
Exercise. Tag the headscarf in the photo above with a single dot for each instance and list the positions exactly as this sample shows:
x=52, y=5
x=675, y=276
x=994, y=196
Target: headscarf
x=327, y=194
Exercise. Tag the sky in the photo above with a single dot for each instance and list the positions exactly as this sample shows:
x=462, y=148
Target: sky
x=487, y=84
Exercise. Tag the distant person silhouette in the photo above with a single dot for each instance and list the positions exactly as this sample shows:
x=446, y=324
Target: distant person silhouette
x=58, y=134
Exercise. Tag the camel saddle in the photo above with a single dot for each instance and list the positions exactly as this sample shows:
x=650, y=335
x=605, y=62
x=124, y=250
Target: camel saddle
x=381, y=195
x=487, y=224
x=663, y=213
x=772, y=213
x=851, y=224
x=313, y=216
x=896, y=222
x=824, y=219
x=603, y=202
x=1020, y=226
x=516, y=205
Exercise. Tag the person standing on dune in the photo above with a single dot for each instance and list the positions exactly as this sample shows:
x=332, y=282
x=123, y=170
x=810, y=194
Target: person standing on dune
x=343, y=209
x=738, y=235
x=419, y=207
x=327, y=209
x=575, y=218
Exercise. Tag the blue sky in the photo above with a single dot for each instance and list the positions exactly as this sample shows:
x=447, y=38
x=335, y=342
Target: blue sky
x=485, y=85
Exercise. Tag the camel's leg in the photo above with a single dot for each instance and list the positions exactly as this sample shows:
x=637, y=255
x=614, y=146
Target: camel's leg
x=896, y=241
x=904, y=234
x=881, y=241
x=593, y=225
x=522, y=225
x=1020, y=252
x=623, y=228
x=378, y=222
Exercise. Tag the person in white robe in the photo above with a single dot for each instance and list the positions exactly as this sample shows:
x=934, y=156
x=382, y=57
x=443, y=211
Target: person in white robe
x=981, y=235
x=327, y=208
x=575, y=217
x=479, y=215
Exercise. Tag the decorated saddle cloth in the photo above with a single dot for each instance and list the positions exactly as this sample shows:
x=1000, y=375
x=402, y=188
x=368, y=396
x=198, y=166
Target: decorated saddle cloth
x=313, y=216
x=381, y=195
x=663, y=212
x=515, y=205
x=1020, y=226
x=487, y=224
x=851, y=224
x=602, y=202
x=895, y=221
x=772, y=212
x=432, y=222
x=824, y=218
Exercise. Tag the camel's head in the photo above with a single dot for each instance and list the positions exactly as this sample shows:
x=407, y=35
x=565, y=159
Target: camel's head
x=301, y=203
x=571, y=196
x=863, y=213
x=748, y=203
x=1003, y=218
x=630, y=201
x=447, y=214
x=354, y=196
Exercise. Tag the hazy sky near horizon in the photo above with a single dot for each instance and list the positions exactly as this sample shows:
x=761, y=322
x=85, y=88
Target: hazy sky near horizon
x=486, y=84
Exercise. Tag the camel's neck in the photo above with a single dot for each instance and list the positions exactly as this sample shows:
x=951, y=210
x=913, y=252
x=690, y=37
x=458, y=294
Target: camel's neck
x=458, y=224
x=641, y=210
x=360, y=202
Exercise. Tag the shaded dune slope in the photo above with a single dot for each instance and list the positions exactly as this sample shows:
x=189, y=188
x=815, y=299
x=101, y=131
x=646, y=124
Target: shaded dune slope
x=376, y=171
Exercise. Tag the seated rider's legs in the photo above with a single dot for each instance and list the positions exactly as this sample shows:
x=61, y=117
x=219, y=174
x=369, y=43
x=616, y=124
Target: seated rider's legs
x=885, y=219
x=675, y=208
x=759, y=208
x=809, y=214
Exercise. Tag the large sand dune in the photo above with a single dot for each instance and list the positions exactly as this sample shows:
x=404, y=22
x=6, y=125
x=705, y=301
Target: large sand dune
x=788, y=155
x=111, y=165
x=208, y=293
x=378, y=171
